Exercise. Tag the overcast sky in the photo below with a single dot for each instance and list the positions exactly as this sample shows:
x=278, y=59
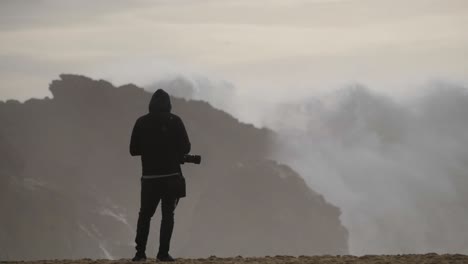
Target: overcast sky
x=285, y=48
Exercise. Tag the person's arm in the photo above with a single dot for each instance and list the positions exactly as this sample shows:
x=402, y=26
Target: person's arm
x=135, y=146
x=183, y=139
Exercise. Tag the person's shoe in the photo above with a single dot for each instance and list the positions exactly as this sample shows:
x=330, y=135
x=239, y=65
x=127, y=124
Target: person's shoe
x=165, y=258
x=139, y=257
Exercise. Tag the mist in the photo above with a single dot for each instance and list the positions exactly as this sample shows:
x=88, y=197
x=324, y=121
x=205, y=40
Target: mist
x=391, y=153
x=396, y=167
x=396, y=170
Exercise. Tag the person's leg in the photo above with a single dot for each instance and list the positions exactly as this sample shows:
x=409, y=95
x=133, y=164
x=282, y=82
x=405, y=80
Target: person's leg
x=167, y=224
x=148, y=204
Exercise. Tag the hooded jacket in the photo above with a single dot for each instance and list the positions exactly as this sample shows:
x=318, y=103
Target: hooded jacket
x=160, y=138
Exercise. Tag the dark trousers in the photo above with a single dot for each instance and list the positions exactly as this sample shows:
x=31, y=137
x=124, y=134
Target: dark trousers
x=153, y=191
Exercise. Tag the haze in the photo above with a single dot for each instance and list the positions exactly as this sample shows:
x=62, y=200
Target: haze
x=368, y=97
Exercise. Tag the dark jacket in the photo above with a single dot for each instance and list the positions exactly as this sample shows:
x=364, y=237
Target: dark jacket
x=160, y=138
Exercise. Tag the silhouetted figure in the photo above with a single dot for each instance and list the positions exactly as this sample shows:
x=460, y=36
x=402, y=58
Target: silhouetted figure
x=161, y=140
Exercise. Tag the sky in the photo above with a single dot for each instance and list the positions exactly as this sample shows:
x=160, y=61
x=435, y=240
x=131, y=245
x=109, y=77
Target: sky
x=283, y=49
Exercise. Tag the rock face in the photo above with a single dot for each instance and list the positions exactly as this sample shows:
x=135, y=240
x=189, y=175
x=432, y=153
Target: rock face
x=69, y=188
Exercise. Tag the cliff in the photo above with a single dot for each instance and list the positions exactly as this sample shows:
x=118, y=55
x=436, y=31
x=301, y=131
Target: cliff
x=69, y=188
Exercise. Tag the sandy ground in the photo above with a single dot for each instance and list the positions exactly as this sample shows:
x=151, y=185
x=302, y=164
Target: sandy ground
x=368, y=259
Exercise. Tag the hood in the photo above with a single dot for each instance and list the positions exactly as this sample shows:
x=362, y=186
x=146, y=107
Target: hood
x=160, y=102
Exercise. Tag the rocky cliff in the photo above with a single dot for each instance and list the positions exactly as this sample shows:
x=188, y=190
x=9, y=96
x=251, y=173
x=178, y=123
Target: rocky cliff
x=69, y=188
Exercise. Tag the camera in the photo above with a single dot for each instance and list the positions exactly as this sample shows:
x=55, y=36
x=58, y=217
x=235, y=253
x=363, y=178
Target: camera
x=195, y=159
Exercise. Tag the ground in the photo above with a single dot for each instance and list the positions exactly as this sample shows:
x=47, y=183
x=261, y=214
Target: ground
x=430, y=258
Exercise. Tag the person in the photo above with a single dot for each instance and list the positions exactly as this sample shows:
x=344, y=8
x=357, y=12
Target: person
x=160, y=138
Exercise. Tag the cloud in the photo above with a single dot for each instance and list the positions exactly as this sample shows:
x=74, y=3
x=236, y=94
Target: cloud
x=280, y=47
x=24, y=14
